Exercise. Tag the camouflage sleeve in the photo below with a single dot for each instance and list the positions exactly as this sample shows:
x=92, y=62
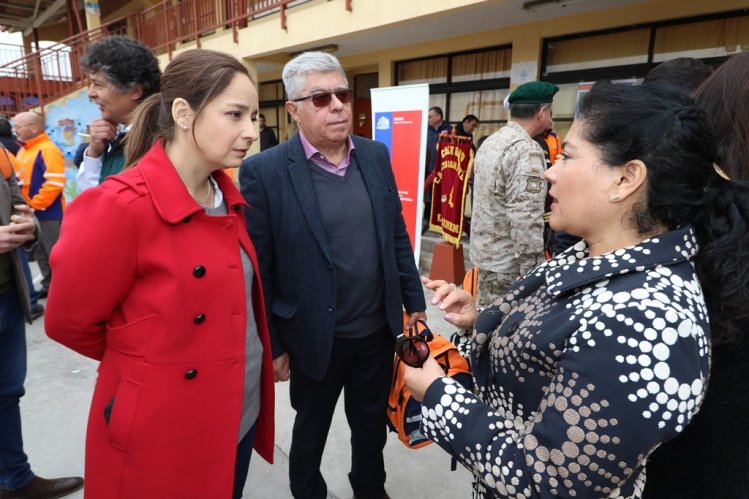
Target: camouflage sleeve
x=526, y=191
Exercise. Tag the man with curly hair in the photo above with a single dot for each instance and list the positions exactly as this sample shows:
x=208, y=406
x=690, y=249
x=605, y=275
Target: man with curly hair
x=122, y=72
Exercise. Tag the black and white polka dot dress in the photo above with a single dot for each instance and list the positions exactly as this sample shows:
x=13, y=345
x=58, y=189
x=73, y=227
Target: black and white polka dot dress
x=584, y=367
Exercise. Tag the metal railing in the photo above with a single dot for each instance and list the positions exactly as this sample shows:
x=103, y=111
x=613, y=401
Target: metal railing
x=52, y=72
x=9, y=53
x=49, y=73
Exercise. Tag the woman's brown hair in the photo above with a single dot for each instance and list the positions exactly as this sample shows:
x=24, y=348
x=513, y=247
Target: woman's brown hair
x=198, y=76
x=725, y=98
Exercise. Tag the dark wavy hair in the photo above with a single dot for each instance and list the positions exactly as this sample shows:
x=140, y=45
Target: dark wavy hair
x=126, y=63
x=686, y=73
x=725, y=98
x=664, y=128
x=198, y=76
x=6, y=129
x=438, y=110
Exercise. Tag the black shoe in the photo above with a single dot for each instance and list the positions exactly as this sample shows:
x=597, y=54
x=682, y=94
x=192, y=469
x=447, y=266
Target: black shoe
x=37, y=311
x=42, y=488
x=43, y=292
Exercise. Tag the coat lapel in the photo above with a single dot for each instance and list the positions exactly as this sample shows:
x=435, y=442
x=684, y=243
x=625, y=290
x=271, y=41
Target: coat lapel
x=169, y=194
x=301, y=180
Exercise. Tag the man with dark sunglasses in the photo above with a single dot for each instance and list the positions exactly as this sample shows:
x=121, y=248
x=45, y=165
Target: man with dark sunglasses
x=337, y=269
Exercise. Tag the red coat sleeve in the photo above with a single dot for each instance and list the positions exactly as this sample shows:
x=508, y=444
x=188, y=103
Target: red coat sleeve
x=94, y=264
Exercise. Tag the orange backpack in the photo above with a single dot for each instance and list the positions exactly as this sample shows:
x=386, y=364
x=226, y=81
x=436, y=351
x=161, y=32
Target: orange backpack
x=471, y=281
x=404, y=412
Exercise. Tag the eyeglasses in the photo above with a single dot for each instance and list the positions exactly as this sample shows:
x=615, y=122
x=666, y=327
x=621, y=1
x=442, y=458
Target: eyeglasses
x=323, y=99
x=413, y=349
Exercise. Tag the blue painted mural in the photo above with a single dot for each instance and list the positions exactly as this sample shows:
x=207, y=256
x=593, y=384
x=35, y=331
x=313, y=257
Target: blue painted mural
x=67, y=118
x=67, y=122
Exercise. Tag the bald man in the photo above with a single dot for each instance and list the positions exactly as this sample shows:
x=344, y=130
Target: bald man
x=41, y=176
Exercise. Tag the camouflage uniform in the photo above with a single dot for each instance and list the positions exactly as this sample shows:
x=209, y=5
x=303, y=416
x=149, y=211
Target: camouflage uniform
x=508, y=210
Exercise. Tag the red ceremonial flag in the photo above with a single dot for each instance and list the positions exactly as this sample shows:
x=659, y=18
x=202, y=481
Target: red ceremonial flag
x=450, y=187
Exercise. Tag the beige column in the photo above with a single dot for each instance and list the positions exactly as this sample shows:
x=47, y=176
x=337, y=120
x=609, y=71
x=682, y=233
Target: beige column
x=385, y=72
x=526, y=56
x=93, y=14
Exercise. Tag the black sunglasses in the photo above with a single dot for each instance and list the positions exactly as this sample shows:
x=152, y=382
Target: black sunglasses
x=323, y=99
x=413, y=349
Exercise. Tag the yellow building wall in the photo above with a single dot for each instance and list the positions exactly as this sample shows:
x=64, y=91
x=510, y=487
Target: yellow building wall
x=323, y=22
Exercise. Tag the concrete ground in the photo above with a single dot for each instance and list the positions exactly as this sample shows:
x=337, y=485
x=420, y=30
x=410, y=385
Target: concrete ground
x=58, y=392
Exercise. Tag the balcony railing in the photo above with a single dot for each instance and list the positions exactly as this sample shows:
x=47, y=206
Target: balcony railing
x=52, y=72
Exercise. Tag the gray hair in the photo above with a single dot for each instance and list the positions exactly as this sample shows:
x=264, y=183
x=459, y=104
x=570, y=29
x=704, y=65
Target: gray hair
x=296, y=71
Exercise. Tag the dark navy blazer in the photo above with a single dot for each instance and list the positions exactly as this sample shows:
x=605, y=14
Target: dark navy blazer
x=296, y=267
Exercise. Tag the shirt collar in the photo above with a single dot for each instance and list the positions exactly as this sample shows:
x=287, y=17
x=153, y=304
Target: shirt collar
x=42, y=137
x=218, y=196
x=311, y=151
x=575, y=269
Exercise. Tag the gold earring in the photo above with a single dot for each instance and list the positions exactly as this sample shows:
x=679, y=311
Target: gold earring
x=614, y=197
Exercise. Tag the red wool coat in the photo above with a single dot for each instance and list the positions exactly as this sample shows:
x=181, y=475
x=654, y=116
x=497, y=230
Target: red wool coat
x=151, y=286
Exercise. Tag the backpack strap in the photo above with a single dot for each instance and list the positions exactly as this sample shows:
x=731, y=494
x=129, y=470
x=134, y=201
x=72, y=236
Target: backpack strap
x=470, y=281
x=6, y=167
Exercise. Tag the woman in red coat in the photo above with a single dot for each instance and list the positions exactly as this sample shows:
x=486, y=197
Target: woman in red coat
x=156, y=277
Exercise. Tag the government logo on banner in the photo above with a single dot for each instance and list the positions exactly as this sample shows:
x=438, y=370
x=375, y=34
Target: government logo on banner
x=401, y=132
x=450, y=187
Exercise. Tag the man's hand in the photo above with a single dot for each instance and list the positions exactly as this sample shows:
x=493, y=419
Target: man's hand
x=281, y=368
x=20, y=230
x=102, y=133
x=415, y=316
x=23, y=214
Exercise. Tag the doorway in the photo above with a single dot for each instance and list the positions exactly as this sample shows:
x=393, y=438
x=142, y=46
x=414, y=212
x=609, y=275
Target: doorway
x=363, y=83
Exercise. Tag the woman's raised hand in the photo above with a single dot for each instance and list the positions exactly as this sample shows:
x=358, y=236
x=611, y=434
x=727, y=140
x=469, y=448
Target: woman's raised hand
x=458, y=305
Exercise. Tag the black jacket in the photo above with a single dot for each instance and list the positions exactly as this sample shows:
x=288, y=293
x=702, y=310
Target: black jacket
x=293, y=256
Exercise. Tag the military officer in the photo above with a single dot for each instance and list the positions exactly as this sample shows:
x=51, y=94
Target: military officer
x=509, y=192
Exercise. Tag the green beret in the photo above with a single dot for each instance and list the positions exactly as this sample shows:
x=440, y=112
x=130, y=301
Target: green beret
x=533, y=92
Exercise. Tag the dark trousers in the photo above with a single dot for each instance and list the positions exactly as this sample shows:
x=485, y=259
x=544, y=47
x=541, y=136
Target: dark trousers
x=361, y=367
x=14, y=466
x=242, y=466
x=33, y=293
x=47, y=239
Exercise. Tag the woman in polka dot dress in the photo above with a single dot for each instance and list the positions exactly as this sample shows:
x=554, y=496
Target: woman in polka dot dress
x=596, y=357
